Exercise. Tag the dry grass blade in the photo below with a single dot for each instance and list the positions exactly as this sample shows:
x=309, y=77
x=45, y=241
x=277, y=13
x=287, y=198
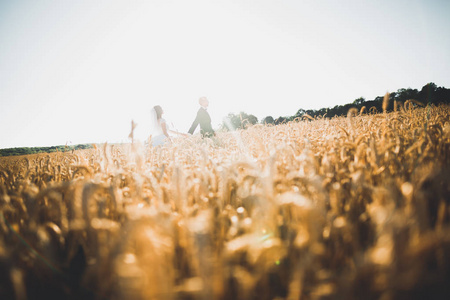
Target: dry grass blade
x=385, y=102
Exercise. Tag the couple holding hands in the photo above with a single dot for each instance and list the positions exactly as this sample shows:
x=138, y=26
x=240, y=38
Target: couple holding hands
x=160, y=132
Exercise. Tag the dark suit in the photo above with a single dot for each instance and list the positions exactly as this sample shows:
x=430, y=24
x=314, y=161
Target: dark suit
x=204, y=120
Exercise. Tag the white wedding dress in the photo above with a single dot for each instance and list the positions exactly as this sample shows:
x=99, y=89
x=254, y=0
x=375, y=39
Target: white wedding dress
x=158, y=136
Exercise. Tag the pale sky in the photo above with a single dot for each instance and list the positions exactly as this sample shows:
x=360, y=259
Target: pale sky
x=79, y=71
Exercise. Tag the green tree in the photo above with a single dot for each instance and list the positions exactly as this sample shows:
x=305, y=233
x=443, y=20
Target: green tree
x=280, y=120
x=241, y=120
x=405, y=94
x=359, y=101
x=428, y=93
x=300, y=113
x=268, y=120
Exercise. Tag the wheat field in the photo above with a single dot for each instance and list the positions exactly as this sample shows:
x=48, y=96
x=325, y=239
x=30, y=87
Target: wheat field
x=354, y=207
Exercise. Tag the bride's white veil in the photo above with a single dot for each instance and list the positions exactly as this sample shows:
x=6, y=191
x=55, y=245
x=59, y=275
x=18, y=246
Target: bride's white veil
x=154, y=124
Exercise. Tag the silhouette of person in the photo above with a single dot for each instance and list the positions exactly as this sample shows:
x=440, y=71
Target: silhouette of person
x=203, y=119
x=159, y=128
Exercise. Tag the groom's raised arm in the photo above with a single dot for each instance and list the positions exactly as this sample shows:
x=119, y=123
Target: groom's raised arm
x=194, y=124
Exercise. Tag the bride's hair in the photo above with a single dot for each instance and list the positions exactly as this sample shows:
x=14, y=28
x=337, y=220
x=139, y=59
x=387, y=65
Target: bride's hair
x=158, y=111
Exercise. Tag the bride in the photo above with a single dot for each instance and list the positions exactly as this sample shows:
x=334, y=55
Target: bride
x=159, y=133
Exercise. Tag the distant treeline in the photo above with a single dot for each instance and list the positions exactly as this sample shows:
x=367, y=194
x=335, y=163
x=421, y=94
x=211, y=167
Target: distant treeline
x=429, y=94
x=34, y=150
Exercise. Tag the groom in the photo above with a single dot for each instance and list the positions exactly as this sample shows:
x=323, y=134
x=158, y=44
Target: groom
x=203, y=119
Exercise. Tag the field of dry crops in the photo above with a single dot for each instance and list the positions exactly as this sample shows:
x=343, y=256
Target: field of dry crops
x=342, y=208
